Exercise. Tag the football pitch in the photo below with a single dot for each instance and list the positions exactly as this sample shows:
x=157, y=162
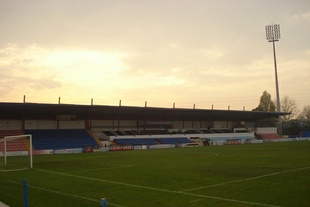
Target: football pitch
x=268, y=174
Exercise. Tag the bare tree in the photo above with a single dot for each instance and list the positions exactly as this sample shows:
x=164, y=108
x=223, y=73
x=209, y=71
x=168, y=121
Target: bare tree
x=305, y=113
x=289, y=105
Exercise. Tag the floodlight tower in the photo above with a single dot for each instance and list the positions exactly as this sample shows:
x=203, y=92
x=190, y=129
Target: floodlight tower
x=273, y=35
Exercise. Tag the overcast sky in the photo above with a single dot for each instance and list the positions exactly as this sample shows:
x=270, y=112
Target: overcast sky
x=202, y=52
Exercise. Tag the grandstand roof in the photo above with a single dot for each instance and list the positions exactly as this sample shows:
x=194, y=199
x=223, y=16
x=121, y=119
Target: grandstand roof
x=104, y=112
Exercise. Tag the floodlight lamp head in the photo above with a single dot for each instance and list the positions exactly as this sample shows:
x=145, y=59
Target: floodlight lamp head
x=273, y=32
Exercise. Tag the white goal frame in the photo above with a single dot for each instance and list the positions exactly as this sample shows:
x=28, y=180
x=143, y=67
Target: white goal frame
x=18, y=137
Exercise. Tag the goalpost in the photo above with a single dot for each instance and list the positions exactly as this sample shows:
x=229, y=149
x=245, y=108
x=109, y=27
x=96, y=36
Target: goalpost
x=17, y=152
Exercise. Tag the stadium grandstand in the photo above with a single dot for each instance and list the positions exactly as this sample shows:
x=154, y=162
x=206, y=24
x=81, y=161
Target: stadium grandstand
x=69, y=128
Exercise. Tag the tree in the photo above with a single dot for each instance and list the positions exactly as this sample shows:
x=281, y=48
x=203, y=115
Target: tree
x=305, y=113
x=265, y=104
x=288, y=105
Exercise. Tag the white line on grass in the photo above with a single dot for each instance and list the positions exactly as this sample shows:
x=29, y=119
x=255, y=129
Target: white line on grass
x=14, y=170
x=105, y=181
x=72, y=195
x=197, y=200
x=158, y=189
x=227, y=199
x=59, y=193
x=246, y=179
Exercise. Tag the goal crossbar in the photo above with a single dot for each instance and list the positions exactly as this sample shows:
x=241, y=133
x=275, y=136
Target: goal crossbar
x=18, y=137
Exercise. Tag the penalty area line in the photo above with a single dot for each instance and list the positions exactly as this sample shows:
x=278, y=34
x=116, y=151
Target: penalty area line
x=12, y=170
x=57, y=192
x=228, y=199
x=72, y=195
x=158, y=189
x=246, y=179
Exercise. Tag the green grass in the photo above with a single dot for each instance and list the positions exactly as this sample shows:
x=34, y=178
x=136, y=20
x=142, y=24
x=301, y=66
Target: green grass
x=270, y=174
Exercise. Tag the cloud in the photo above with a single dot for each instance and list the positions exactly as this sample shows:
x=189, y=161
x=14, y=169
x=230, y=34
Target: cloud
x=302, y=16
x=45, y=72
x=306, y=15
x=160, y=51
x=20, y=65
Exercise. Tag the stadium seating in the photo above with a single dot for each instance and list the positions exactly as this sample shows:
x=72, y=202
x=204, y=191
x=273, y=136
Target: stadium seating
x=268, y=136
x=13, y=145
x=152, y=141
x=61, y=139
x=305, y=134
x=4, y=133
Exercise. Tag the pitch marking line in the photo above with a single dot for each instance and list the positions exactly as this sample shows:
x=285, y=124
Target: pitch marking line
x=158, y=189
x=74, y=196
x=105, y=181
x=197, y=200
x=60, y=193
x=227, y=199
x=246, y=179
x=14, y=170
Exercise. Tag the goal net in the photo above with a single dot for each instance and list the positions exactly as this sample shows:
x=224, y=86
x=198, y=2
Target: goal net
x=16, y=152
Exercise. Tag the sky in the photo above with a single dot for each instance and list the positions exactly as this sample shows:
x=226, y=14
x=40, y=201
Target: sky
x=200, y=53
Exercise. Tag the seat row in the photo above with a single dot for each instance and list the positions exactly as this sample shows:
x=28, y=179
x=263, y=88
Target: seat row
x=151, y=141
x=61, y=139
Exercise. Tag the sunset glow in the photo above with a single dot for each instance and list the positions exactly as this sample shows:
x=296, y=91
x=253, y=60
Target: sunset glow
x=163, y=52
